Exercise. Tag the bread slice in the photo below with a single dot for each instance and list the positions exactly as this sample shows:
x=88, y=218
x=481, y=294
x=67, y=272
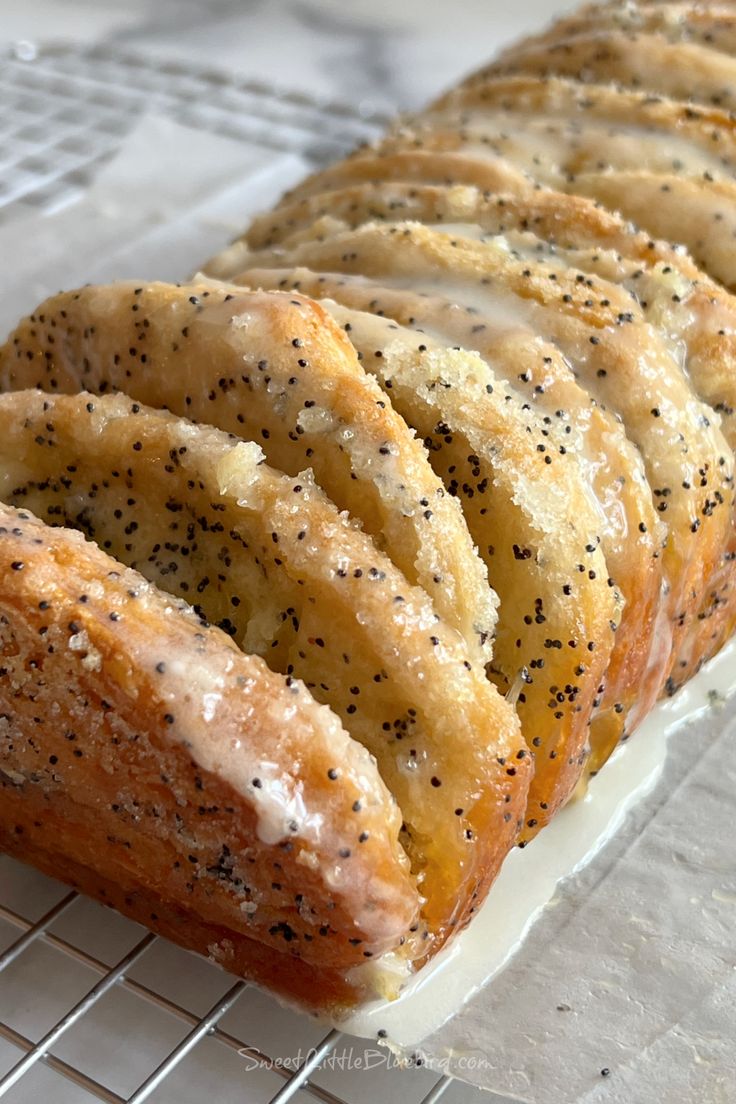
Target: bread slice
x=274, y=369
x=574, y=127
x=699, y=212
x=710, y=24
x=683, y=70
x=380, y=163
x=553, y=216
x=269, y=559
x=147, y=761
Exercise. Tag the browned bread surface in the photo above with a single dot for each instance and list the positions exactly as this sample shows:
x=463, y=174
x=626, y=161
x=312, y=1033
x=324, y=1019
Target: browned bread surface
x=620, y=361
x=682, y=70
x=528, y=504
x=667, y=164
x=138, y=743
x=711, y=26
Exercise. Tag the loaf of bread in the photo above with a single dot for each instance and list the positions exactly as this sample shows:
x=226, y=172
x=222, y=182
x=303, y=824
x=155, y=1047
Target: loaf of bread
x=392, y=524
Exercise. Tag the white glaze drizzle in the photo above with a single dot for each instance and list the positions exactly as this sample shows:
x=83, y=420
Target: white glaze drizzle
x=529, y=878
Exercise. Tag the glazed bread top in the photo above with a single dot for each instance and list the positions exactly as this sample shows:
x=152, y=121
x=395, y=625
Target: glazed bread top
x=147, y=682
x=470, y=231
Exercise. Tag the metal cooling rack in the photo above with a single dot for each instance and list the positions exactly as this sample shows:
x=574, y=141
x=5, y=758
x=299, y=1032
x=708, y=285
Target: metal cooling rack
x=63, y=111
x=114, y=976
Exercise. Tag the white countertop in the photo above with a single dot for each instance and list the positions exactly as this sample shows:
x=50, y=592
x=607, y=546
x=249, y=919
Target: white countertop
x=391, y=53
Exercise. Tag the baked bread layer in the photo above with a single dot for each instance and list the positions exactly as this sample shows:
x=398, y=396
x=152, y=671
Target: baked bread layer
x=711, y=25
x=44, y=840
x=138, y=742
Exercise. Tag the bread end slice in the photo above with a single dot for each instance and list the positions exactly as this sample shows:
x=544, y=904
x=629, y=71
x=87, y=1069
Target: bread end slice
x=146, y=760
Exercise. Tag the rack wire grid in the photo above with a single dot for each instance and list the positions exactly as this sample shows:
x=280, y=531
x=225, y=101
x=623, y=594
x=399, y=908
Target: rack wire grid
x=64, y=110
x=91, y=1005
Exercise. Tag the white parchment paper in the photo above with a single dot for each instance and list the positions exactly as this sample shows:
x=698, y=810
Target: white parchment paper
x=169, y=198
x=631, y=968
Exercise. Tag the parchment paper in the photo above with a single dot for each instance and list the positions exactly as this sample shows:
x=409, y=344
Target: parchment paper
x=632, y=967
x=169, y=198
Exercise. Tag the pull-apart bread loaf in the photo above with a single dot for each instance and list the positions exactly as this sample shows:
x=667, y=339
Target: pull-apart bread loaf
x=391, y=526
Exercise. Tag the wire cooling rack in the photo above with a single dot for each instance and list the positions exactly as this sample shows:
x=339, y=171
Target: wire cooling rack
x=64, y=110
x=123, y=1016
x=92, y=1007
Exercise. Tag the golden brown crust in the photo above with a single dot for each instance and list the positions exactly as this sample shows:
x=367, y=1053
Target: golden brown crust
x=682, y=70
x=701, y=214
x=34, y=833
x=554, y=216
x=657, y=118
x=125, y=718
x=380, y=163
